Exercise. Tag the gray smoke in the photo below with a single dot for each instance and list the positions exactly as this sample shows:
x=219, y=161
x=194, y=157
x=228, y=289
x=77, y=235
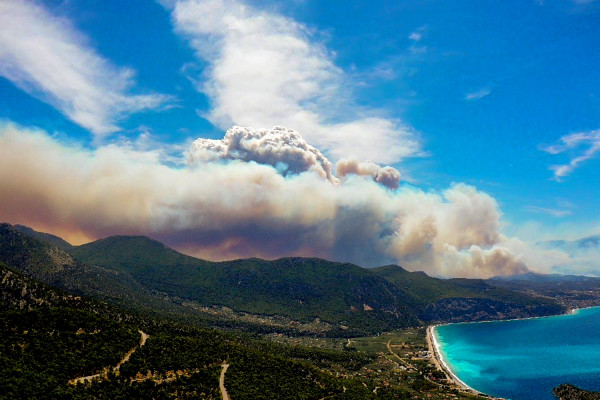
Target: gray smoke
x=280, y=147
x=387, y=176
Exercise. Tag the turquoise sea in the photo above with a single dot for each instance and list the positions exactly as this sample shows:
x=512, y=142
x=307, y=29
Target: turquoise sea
x=525, y=359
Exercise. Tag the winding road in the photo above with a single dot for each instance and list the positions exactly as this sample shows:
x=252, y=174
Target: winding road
x=106, y=370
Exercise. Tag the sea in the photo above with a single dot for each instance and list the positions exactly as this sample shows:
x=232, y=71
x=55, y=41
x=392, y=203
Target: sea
x=525, y=359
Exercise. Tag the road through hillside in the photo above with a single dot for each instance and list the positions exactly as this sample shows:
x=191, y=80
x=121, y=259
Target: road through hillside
x=116, y=368
x=222, y=382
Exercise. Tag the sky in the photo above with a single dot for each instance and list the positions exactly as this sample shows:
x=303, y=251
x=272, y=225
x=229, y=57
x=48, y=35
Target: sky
x=444, y=136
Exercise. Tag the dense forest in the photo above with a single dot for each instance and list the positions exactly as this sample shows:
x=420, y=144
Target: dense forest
x=44, y=347
x=50, y=338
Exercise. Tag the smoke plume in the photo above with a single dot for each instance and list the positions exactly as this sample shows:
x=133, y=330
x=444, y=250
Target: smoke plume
x=387, y=176
x=279, y=147
x=245, y=204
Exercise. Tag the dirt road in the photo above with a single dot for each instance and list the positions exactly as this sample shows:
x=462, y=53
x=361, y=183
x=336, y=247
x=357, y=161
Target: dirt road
x=116, y=368
x=222, y=382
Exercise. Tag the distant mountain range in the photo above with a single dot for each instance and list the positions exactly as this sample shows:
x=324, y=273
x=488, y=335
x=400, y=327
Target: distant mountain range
x=590, y=242
x=584, y=254
x=306, y=294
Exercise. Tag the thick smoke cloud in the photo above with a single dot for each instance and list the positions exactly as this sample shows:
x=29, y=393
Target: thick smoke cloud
x=280, y=147
x=229, y=209
x=287, y=151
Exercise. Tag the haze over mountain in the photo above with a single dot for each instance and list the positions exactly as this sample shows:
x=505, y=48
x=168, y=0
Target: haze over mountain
x=590, y=242
x=343, y=299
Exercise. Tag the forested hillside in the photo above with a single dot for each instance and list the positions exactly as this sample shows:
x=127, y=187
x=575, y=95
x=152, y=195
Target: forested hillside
x=302, y=295
x=51, y=338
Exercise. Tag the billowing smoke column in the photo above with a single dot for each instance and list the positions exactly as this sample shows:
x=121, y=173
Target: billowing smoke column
x=280, y=147
x=287, y=151
x=238, y=199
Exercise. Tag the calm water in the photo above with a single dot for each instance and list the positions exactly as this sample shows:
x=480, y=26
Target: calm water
x=524, y=360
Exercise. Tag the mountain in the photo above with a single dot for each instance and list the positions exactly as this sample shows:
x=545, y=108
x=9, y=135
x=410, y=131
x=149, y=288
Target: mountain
x=543, y=278
x=307, y=288
x=423, y=287
x=130, y=253
x=589, y=242
x=47, y=263
x=46, y=237
x=50, y=339
x=20, y=292
x=457, y=300
x=306, y=294
x=300, y=288
x=572, y=291
x=298, y=294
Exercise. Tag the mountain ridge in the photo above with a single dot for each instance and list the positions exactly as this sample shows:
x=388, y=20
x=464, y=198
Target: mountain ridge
x=341, y=298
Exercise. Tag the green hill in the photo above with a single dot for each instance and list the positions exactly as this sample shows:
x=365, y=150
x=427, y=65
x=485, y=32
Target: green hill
x=290, y=294
x=48, y=263
x=298, y=288
x=142, y=273
x=309, y=288
x=457, y=300
x=423, y=287
x=131, y=253
x=49, y=337
x=46, y=237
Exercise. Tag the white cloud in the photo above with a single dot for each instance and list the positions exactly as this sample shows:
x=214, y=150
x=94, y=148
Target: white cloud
x=266, y=69
x=555, y=212
x=416, y=36
x=48, y=58
x=590, y=141
x=479, y=94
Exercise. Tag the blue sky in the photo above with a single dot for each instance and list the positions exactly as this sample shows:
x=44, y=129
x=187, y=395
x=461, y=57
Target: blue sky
x=500, y=96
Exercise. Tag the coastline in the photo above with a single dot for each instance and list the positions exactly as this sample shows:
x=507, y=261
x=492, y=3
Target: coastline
x=570, y=311
x=440, y=363
x=438, y=360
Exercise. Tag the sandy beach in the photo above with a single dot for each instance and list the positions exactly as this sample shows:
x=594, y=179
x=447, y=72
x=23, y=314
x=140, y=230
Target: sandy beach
x=440, y=364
